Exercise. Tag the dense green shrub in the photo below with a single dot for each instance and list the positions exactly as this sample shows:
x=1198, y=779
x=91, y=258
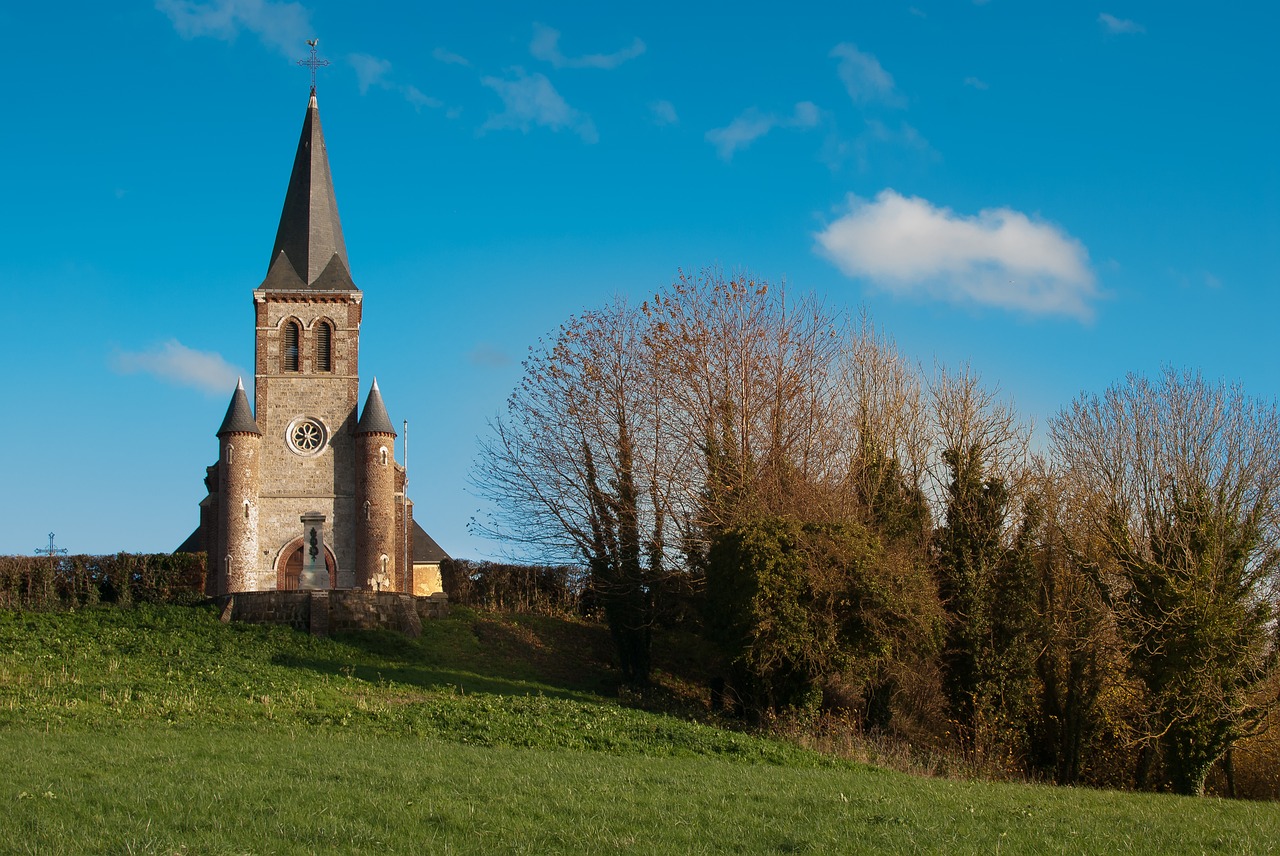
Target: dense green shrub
x=796, y=605
x=538, y=589
x=37, y=582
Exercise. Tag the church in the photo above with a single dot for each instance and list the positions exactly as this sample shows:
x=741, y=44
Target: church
x=307, y=493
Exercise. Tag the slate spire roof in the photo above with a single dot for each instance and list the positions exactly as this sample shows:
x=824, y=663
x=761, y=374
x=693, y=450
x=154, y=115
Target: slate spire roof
x=309, y=237
x=239, y=418
x=374, y=418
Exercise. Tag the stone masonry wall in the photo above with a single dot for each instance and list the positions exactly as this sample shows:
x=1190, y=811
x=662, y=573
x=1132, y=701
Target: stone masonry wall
x=294, y=484
x=334, y=611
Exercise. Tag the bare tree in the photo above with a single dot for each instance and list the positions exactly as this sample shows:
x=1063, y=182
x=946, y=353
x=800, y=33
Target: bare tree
x=1179, y=479
x=747, y=375
x=634, y=431
x=882, y=440
x=579, y=468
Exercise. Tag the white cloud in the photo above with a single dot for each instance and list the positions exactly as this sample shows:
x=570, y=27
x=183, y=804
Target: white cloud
x=530, y=99
x=372, y=71
x=283, y=26
x=864, y=78
x=751, y=125
x=546, y=46
x=449, y=57
x=975, y=82
x=1000, y=257
x=664, y=113
x=173, y=361
x=1119, y=26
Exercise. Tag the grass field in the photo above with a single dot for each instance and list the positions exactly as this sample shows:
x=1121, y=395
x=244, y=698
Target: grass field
x=160, y=730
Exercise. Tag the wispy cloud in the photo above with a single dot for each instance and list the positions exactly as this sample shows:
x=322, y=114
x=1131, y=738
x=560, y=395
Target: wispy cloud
x=372, y=71
x=283, y=26
x=663, y=113
x=1000, y=257
x=546, y=46
x=751, y=125
x=877, y=141
x=976, y=83
x=530, y=99
x=864, y=78
x=805, y=115
x=1119, y=26
x=418, y=98
x=450, y=58
x=489, y=356
x=175, y=362
x=741, y=132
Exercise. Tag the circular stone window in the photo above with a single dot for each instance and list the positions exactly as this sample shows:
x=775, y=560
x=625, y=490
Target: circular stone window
x=306, y=436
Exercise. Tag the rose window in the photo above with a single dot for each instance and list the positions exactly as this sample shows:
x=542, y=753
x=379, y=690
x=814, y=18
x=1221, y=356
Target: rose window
x=306, y=436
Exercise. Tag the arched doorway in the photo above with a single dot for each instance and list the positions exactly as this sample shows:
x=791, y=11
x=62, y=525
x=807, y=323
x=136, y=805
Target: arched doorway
x=289, y=566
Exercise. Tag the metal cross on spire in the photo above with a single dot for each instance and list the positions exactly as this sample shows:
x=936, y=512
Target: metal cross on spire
x=51, y=550
x=313, y=62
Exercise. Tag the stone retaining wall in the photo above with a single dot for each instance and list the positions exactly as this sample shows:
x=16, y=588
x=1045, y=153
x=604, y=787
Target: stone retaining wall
x=325, y=612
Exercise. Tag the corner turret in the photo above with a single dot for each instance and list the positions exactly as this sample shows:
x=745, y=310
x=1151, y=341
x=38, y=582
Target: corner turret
x=376, y=482
x=233, y=561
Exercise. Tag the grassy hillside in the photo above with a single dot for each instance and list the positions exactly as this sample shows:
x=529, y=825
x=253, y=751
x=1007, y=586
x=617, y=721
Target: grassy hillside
x=160, y=730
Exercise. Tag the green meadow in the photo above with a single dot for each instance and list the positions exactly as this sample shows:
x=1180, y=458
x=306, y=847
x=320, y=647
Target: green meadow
x=161, y=730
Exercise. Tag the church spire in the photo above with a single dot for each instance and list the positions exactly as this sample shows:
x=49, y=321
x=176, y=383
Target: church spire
x=374, y=418
x=239, y=418
x=309, y=237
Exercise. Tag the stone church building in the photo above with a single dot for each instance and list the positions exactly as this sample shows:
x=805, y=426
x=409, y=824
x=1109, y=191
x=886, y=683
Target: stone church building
x=307, y=493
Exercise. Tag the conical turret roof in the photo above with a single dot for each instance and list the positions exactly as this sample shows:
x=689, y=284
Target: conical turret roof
x=310, y=234
x=239, y=418
x=374, y=418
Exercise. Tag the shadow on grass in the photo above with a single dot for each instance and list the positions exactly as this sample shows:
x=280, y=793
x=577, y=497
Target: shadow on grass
x=429, y=678
x=476, y=653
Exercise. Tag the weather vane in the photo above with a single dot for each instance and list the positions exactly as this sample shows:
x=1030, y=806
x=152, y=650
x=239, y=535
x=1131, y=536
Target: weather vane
x=313, y=62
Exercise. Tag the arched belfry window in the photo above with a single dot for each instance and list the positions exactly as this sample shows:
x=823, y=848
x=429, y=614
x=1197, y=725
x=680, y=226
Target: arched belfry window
x=292, y=333
x=324, y=347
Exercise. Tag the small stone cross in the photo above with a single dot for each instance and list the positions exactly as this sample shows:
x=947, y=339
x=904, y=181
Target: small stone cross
x=51, y=550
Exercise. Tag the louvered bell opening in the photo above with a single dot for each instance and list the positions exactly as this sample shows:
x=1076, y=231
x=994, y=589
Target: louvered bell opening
x=324, y=336
x=291, y=333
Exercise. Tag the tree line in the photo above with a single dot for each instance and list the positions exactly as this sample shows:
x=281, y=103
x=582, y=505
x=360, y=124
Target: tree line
x=860, y=534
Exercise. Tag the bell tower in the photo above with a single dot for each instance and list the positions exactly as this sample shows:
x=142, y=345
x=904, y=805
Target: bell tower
x=306, y=372
x=307, y=493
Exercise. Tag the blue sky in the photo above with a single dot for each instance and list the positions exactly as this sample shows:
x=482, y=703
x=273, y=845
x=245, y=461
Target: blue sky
x=1058, y=193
